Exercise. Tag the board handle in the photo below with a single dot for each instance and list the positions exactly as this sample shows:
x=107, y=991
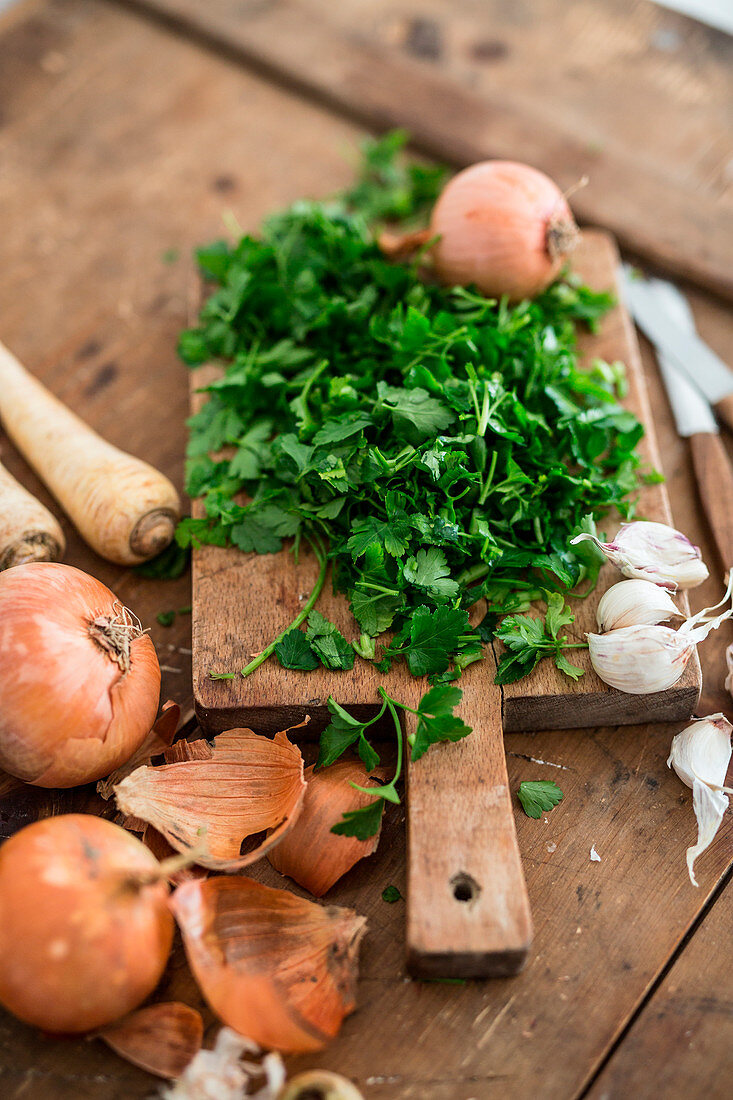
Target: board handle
x=467, y=907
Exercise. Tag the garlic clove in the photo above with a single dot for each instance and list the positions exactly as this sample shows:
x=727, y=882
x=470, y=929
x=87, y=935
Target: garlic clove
x=635, y=603
x=244, y=785
x=654, y=552
x=702, y=751
x=700, y=756
x=222, y=1073
x=640, y=659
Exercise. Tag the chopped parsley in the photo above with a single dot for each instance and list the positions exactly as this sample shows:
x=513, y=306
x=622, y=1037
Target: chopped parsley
x=391, y=894
x=435, y=447
x=441, y=447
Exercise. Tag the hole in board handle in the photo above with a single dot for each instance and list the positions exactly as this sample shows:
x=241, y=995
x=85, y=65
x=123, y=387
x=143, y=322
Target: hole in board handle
x=465, y=888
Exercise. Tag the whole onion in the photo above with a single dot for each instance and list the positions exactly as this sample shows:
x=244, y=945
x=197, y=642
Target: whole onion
x=85, y=929
x=79, y=680
x=503, y=226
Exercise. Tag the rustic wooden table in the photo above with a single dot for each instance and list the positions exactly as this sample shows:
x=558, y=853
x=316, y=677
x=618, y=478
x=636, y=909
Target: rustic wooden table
x=126, y=130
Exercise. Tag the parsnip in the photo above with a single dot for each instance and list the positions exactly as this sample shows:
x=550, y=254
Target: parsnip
x=122, y=507
x=28, y=531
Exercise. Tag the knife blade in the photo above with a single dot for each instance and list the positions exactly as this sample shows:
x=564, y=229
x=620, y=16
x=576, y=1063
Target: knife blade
x=690, y=409
x=694, y=419
x=682, y=347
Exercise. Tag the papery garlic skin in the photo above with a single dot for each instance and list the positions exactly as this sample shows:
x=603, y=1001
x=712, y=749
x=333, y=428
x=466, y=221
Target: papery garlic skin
x=640, y=659
x=729, y=662
x=635, y=603
x=700, y=755
x=653, y=552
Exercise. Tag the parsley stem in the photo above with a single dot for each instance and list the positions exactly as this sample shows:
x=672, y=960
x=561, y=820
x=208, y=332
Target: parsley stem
x=398, y=729
x=489, y=478
x=320, y=552
x=475, y=573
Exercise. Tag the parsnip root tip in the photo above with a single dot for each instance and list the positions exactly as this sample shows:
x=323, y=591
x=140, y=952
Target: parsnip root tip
x=153, y=532
x=34, y=546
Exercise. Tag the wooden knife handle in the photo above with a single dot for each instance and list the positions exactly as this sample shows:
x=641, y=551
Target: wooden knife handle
x=467, y=906
x=714, y=475
x=724, y=411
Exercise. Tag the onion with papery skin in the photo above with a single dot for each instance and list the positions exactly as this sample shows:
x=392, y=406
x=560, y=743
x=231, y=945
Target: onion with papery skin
x=79, y=679
x=85, y=929
x=503, y=226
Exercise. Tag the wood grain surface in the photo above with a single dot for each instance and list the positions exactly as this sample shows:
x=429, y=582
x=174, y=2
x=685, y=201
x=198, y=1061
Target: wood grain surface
x=689, y=1014
x=653, y=208
x=467, y=907
x=119, y=143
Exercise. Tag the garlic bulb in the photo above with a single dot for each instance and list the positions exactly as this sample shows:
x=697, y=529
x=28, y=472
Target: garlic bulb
x=634, y=603
x=653, y=552
x=700, y=755
x=641, y=659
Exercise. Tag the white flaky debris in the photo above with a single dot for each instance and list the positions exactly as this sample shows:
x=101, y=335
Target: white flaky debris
x=220, y=1074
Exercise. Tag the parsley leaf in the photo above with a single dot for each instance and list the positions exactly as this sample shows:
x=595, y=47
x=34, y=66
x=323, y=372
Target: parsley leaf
x=431, y=637
x=295, y=652
x=168, y=565
x=436, y=721
x=340, y=734
x=391, y=894
x=538, y=796
x=328, y=643
x=430, y=570
x=361, y=823
x=528, y=639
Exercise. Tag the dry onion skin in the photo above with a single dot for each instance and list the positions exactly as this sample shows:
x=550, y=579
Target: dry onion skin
x=28, y=531
x=503, y=227
x=248, y=784
x=85, y=928
x=275, y=967
x=79, y=679
x=158, y=740
x=160, y=1038
x=163, y=851
x=310, y=853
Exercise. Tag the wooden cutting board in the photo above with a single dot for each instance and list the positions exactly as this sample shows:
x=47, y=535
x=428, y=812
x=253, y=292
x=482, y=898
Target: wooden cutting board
x=468, y=914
